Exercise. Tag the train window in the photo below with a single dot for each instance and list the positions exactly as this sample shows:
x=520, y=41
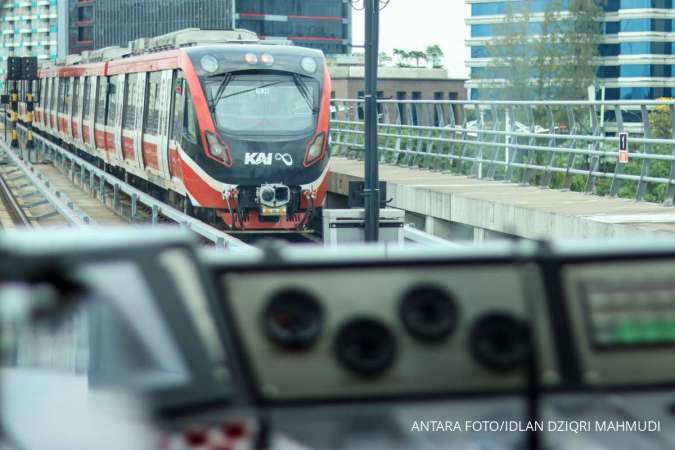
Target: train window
x=86, y=107
x=68, y=97
x=76, y=97
x=178, y=107
x=151, y=119
x=54, y=91
x=61, y=104
x=45, y=94
x=190, y=125
x=131, y=101
x=101, y=99
x=112, y=101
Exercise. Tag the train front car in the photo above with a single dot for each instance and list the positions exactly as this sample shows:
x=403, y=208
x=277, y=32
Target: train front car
x=264, y=115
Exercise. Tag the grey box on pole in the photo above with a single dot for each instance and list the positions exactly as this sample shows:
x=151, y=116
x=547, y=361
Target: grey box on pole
x=343, y=226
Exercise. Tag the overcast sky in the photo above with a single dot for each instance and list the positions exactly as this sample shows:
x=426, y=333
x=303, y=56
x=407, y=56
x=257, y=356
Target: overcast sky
x=415, y=24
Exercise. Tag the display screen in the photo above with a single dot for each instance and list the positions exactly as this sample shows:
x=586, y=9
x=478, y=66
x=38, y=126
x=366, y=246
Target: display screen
x=630, y=314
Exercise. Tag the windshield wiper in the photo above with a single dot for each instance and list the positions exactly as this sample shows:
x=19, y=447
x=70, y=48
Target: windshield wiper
x=304, y=90
x=219, y=92
x=248, y=90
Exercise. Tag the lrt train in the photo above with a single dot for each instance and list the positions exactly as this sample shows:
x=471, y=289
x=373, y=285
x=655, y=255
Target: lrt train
x=216, y=122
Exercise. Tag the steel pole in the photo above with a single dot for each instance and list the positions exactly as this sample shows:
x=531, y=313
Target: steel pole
x=371, y=189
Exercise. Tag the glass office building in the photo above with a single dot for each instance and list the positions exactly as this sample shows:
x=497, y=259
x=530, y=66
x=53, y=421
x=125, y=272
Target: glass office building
x=636, y=54
x=28, y=28
x=322, y=24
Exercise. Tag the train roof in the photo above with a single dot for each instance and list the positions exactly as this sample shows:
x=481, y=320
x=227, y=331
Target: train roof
x=162, y=52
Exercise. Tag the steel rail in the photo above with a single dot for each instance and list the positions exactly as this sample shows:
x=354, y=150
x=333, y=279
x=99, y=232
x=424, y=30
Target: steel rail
x=14, y=209
x=57, y=199
x=138, y=197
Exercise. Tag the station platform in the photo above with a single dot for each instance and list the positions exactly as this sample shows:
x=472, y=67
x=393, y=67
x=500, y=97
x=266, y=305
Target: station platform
x=444, y=199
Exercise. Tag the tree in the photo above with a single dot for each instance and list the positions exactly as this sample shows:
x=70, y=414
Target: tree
x=402, y=57
x=554, y=60
x=418, y=56
x=384, y=59
x=435, y=56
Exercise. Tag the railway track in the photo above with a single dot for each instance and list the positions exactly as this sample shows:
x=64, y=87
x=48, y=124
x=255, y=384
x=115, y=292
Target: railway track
x=124, y=199
x=12, y=207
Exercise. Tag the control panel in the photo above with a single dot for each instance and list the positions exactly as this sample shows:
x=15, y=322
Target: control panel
x=378, y=331
x=622, y=315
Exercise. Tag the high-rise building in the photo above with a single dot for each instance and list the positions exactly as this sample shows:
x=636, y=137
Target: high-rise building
x=28, y=28
x=323, y=24
x=636, y=52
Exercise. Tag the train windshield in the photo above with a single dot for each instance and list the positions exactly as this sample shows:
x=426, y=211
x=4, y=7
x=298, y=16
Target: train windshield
x=263, y=103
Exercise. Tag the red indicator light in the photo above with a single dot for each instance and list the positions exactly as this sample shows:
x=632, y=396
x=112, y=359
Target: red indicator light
x=234, y=430
x=196, y=436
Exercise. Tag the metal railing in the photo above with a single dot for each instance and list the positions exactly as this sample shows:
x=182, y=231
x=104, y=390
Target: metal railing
x=561, y=145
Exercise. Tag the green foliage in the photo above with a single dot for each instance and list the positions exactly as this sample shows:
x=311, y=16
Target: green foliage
x=402, y=57
x=435, y=56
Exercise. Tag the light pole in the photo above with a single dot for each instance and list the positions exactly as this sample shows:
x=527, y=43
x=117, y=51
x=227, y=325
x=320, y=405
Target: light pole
x=371, y=189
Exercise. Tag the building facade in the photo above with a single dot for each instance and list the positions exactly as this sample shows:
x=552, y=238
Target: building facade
x=28, y=28
x=398, y=83
x=636, y=59
x=322, y=24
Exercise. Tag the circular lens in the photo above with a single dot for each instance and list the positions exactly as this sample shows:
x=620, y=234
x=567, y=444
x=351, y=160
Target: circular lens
x=308, y=64
x=209, y=64
x=251, y=58
x=293, y=319
x=366, y=347
x=267, y=59
x=267, y=195
x=500, y=342
x=428, y=313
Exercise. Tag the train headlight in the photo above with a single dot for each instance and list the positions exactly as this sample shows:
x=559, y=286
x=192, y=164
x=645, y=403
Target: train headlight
x=218, y=148
x=251, y=58
x=267, y=59
x=315, y=150
x=308, y=64
x=209, y=63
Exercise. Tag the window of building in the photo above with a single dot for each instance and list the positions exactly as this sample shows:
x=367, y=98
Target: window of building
x=85, y=13
x=54, y=93
x=85, y=33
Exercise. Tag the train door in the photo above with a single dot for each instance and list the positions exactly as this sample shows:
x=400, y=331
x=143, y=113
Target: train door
x=88, y=106
x=151, y=128
x=129, y=118
x=62, y=108
x=178, y=109
x=68, y=108
x=48, y=104
x=56, y=81
x=75, y=121
x=165, y=97
x=141, y=83
x=101, y=95
x=114, y=122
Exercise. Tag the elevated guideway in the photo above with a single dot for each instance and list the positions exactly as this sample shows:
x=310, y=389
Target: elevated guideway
x=477, y=170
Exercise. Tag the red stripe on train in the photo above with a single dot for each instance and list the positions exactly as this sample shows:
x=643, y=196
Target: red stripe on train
x=128, y=148
x=150, y=155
